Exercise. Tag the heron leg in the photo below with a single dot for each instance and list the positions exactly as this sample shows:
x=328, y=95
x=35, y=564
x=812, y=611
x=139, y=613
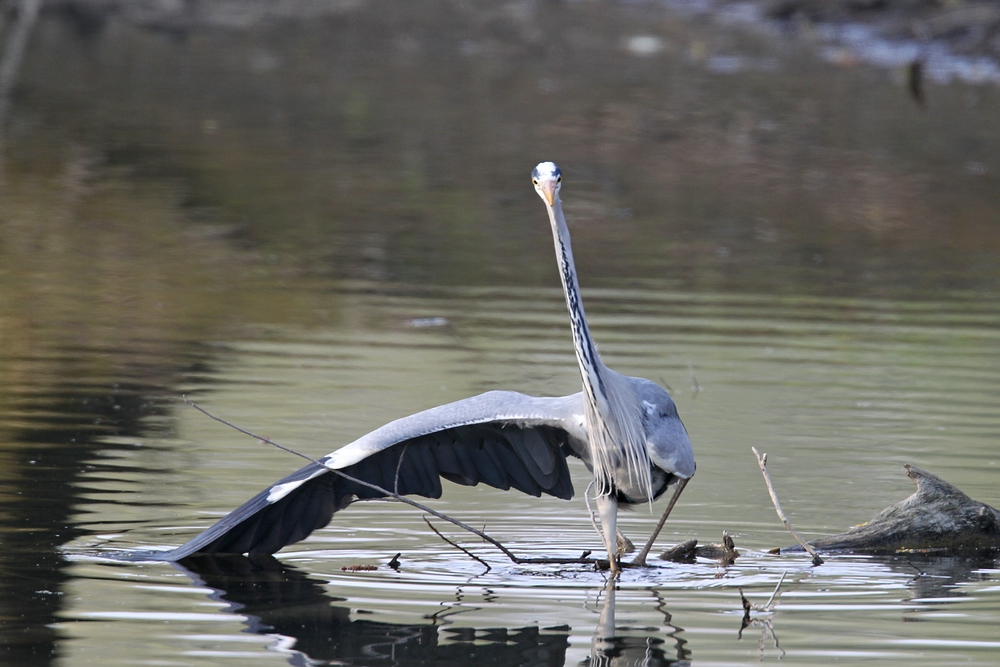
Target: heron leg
x=624, y=544
x=607, y=509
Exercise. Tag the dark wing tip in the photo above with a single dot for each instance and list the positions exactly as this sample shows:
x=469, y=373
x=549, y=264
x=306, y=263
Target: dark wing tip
x=529, y=459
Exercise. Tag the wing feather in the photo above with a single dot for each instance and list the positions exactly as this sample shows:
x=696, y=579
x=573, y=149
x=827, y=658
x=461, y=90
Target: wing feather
x=502, y=439
x=421, y=460
x=488, y=466
x=518, y=474
x=471, y=474
x=450, y=466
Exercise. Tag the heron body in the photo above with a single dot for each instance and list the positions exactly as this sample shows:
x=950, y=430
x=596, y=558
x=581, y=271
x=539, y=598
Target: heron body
x=625, y=429
x=629, y=466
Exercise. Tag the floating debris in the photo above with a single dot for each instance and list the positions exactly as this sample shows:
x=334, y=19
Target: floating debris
x=686, y=552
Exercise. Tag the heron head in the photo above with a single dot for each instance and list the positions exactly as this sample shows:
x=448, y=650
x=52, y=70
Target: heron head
x=547, y=180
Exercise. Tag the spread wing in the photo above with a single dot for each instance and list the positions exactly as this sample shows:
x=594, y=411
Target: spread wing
x=503, y=439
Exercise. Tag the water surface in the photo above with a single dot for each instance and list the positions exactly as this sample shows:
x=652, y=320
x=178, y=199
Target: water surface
x=311, y=227
x=840, y=393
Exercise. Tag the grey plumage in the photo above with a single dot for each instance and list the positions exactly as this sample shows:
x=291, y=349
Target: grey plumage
x=625, y=429
x=469, y=442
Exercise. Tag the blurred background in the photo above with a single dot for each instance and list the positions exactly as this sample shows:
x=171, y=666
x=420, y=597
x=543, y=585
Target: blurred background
x=316, y=216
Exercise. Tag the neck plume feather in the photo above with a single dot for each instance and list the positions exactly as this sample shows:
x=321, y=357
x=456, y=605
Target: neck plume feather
x=613, y=411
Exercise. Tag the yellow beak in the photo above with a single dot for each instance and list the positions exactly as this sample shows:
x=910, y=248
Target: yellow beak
x=548, y=189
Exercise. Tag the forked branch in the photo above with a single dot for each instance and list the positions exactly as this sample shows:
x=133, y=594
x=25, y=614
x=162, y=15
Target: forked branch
x=458, y=546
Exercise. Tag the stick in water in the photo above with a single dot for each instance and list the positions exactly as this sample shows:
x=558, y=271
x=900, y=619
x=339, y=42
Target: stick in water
x=762, y=462
x=458, y=546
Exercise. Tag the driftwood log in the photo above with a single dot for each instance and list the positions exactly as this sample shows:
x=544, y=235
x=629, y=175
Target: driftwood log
x=938, y=520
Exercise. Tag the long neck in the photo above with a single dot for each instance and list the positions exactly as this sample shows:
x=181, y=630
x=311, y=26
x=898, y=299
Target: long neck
x=616, y=442
x=591, y=369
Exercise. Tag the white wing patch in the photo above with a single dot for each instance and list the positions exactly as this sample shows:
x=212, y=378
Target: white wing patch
x=362, y=448
x=279, y=491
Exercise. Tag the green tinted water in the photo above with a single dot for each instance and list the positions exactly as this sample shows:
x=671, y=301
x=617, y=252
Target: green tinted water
x=313, y=229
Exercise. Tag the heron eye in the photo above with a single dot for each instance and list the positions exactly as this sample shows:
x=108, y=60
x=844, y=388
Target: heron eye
x=534, y=181
x=559, y=179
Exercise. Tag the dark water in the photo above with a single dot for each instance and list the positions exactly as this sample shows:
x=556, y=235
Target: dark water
x=314, y=226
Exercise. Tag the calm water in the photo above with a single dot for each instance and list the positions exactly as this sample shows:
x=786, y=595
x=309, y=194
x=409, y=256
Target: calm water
x=311, y=229
x=840, y=393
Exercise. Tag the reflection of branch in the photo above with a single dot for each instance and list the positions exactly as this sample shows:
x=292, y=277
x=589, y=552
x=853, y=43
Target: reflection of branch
x=762, y=462
x=10, y=62
x=766, y=623
x=597, y=562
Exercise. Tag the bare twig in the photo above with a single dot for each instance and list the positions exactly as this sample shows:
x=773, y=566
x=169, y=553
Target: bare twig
x=399, y=466
x=250, y=433
x=597, y=562
x=774, y=594
x=762, y=462
x=458, y=546
x=695, y=387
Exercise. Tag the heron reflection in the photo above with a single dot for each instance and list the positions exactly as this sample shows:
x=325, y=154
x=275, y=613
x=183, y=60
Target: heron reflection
x=308, y=623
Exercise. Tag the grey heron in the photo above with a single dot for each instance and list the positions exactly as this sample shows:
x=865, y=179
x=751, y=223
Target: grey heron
x=625, y=429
